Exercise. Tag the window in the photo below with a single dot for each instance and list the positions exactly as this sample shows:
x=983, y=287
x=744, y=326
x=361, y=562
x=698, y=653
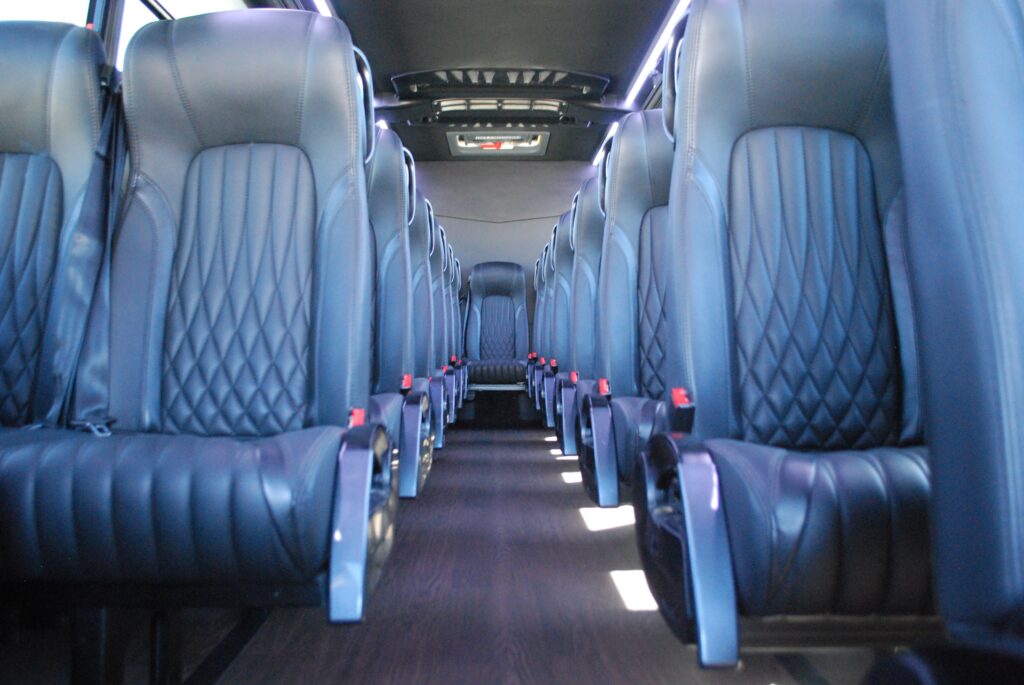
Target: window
x=67, y=11
x=136, y=15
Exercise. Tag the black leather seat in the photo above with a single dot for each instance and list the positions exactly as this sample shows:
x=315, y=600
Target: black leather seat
x=631, y=302
x=559, y=288
x=587, y=239
x=957, y=90
x=537, y=333
x=236, y=340
x=49, y=128
x=401, y=408
x=496, y=325
x=457, y=331
x=544, y=314
x=425, y=379
x=805, y=490
x=442, y=322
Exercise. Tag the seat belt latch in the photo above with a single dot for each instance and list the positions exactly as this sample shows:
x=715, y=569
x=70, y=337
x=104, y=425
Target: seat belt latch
x=683, y=411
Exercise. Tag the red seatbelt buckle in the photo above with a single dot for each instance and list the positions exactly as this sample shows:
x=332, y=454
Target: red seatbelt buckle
x=543, y=361
x=683, y=411
x=356, y=417
x=554, y=365
x=406, y=382
x=574, y=376
x=603, y=388
x=444, y=369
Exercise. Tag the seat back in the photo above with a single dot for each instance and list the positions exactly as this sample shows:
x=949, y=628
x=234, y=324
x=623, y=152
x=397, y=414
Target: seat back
x=496, y=328
x=959, y=98
x=49, y=126
x=422, y=291
x=536, y=335
x=633, y=274
x=460, y=311
x=786, y=190
x=549, y=296
x=454, y=320
x=391, y=187
x=587, y=239
x=242, y=278
x=438, y=255
x=561, y=290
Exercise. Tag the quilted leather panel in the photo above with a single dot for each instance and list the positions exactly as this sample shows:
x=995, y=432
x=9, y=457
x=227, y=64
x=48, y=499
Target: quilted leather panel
x=652, y=325
x=815, y=336
x=31, y=201
x=497, y=328
x=497, y=372
x=237, y=341
x=159, y=508
x=827, y=533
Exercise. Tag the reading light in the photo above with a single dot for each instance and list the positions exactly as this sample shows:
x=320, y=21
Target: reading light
x=323, y=7
x=651, y=61
x=634, y=591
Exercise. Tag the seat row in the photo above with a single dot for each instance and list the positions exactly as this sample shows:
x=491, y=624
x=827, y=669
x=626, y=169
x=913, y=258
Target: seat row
x=223, y=313
x=752, y=387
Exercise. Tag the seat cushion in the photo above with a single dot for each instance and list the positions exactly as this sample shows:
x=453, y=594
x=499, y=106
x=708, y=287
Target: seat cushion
x=165, y=508
x=841, y=532
x=497, y=372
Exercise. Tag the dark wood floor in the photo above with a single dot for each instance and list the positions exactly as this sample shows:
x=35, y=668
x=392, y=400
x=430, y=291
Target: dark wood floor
x=495, y=579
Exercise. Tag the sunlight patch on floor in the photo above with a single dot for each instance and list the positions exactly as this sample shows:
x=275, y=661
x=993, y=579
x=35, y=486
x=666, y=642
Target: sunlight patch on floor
x=572, y=476
x=633, y=589
x=566, y=458
x=602, y=518
x=557, y=452
x=551, y=438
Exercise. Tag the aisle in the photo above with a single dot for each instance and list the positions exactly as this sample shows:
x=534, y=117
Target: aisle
x=495, y=578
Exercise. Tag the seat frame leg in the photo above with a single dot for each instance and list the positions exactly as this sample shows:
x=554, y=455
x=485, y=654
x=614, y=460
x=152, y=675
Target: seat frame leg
x=595, y=446
x=565, y=420
x=416, y=450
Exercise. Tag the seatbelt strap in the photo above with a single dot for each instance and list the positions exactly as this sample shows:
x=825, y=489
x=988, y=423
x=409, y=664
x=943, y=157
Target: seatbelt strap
x=90, y=357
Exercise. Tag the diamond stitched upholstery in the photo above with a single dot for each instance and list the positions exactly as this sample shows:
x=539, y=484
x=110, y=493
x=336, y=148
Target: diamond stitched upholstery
x=497, y=328
x=815, y=335
x=236, y=350
x=652, y=328
x=31, y=201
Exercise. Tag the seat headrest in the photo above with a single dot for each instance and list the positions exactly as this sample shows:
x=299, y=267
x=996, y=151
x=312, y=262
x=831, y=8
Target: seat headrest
x=749, y=64
x=544, y=257
x=388, y=186
x=669, y=75
x=450, y=264
x=536, y=273
x=432, y=226
x=602, y=176
x=410, y=165
x=496, y=278
x=588, y=223
x=562, y=241
x=51, y=96
x=549, y=252
x=639, y=168
x=269, y=76
x=442, y=243
x=419, y=231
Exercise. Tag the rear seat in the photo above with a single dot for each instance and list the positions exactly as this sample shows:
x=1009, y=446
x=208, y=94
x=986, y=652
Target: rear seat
x=403, y=410
x=496, y=324
x=631, y=300
x=238, y=338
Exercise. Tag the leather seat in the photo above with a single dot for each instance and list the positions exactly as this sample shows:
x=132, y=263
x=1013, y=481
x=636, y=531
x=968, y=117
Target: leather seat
x=534, y=367
x=632, y=289
x=558, y=344
x=587, y=239
x=49, y=128
x=785, y=319
x=496, y=326
x=444, y=335
x=402, y=409
x=425, y=378
x=236, y=340
x=958, y=101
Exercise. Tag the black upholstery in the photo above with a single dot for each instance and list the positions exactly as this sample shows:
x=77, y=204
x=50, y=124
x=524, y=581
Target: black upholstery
x=49, y=125
x=549, y=298
x=785, y=195
x=422, y=295
x=561, y=291
x=540, y=308
x=958, y=96
x=454, y=318
x=240, y=325
x=438, y=256
x=587, y=238
x=632, y=278
x=391, y=209
x=496, y=327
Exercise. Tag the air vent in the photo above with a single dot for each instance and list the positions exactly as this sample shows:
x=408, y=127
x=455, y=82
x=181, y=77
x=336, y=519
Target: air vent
x=476, y=108
x=569, y=84
x=497, y=142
